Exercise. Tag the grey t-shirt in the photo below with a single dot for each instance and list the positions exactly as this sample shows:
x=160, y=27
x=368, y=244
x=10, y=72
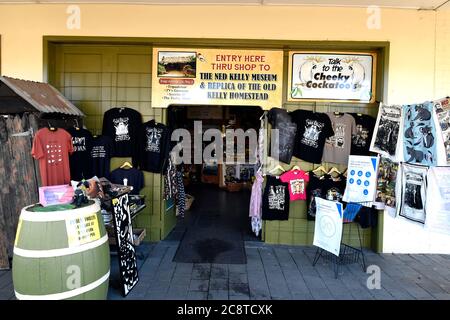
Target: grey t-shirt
x=337, y=148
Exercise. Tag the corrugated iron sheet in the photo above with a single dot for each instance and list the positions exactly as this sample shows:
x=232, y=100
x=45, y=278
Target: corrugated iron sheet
x=42, y=96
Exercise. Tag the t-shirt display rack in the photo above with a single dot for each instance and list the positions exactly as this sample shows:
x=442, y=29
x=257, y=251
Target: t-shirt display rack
x=359, y=137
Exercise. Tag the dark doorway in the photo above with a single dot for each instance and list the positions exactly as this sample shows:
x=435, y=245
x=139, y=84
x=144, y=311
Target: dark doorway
x=217, y=224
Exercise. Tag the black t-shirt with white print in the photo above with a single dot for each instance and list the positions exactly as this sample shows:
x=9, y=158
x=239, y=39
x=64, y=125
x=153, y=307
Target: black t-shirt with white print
x=153, y=145
x=275, y=200
x=364, y=130
x=122, y=125
x=80, y=161
x=312, y=130
x=101, y=154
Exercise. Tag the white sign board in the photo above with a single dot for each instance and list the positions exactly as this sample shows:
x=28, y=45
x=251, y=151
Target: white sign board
x=328, y=227
x=332, y=76
x=361, y=179
x=438, y=205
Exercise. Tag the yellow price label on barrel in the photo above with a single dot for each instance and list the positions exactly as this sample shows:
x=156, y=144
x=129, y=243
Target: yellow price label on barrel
x=82, y=229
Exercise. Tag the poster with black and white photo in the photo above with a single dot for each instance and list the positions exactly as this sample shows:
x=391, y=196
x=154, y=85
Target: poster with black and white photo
x=386, y=184
x=386, y=132
x=414, y=185
x=442, y=111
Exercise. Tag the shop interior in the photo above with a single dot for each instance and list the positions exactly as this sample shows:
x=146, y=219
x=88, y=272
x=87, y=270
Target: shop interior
x=217, y=221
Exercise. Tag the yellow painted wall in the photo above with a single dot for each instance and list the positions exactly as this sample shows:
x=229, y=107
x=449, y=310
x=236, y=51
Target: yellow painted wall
x=412, y=34
x=443, y=53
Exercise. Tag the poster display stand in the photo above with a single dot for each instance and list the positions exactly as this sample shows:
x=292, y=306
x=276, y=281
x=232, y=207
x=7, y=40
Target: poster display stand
x=347, y=254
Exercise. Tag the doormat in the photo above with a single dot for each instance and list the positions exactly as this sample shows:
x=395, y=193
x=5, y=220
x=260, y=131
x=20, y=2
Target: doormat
x=211, y=245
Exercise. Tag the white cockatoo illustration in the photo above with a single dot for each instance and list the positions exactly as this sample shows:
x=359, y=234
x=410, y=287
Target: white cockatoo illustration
x=358, y=74
x=307, y=69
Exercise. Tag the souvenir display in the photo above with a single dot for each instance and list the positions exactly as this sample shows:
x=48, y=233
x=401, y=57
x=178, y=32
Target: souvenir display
x=51, y=148
x=386, y=184
x=387, y=131
x=337, y=148
x=80, y=161
x=275, y=200
x=363, y=135
x=313, y=128
x=442, y=110
x=153, y=144
x=419, y=134
x=122, y=126
x=413, y=194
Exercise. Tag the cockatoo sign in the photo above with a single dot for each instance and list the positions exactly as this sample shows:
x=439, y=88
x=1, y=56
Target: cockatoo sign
x=332, y=76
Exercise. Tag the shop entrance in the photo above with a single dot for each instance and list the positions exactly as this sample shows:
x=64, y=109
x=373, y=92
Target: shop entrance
x=217, y=223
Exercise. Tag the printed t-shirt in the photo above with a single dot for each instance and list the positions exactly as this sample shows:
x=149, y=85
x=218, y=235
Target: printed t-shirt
x=122, y=125
x=80, y=160
x=297, y=180
x=337, y=147
x=52, y=149
x=275, y=200
x=312, y=130
x=101, y=154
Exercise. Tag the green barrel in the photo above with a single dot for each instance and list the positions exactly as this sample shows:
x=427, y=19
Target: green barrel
x=61, y=255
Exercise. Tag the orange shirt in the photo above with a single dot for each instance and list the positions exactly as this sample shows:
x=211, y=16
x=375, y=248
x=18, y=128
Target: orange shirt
x=52, y=149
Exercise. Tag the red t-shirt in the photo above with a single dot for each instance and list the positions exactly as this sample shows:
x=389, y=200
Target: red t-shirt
x=52, y=149
x=296, y=179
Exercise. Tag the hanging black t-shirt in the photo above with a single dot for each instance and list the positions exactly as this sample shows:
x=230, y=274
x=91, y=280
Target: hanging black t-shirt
x=312, y=130
x=80, y=159
x=281, y=121
x=153, y=145
x=101, y=153
x=122, y=125
x=336, y=188
x=275, y=200
x=364, y=130
x=134, y=176
x=317, y=187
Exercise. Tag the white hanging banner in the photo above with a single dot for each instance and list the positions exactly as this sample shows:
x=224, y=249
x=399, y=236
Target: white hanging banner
x=442, y=112
x=361, y=179
x=438, y=206
x=328, y=226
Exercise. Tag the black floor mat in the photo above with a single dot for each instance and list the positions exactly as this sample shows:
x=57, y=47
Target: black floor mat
x=215, y=227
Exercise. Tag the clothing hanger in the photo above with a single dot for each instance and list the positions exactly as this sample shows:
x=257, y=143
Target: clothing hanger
x=278, y=167
x=50, y=127
x=334, y=170
x=321, y=168
x=126, y=164
x=296, y=167
x=77, y=126
x=263, y=115
x=345, y=173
